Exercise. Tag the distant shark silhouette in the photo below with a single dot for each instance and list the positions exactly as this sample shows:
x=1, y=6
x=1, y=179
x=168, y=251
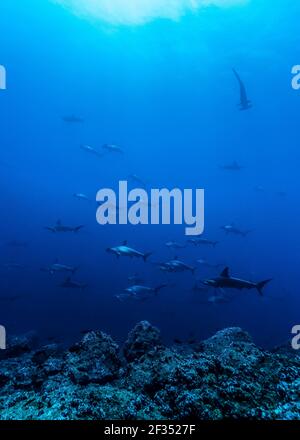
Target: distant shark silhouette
x=245, y=103
x=72, y=119
x=59, y=227
x=234, y=166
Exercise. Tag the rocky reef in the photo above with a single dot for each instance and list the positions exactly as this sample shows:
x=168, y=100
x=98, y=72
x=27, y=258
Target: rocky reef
x=226, y=376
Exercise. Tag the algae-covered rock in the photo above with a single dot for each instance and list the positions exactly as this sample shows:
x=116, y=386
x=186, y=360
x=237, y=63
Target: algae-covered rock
x=95, y=359
x=141, y=340
x=19, y=345
x=226, y=376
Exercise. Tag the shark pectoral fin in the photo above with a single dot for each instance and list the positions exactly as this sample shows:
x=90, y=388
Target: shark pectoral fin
x=48, y=228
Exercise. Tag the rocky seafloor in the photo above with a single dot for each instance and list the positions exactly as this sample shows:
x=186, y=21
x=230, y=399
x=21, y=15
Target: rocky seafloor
x=226, y=376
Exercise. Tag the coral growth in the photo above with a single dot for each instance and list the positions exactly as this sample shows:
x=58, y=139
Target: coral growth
x=226, y=376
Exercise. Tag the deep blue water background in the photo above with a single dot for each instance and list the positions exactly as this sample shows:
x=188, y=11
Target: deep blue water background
x=165, y=93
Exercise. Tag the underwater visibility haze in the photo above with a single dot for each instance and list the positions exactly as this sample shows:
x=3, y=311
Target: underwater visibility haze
x=161, y=94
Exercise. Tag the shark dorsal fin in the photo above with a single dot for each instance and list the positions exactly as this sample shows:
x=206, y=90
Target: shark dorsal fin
x=176, y=257
x=225, y=273
x=58, y=222
x=125, y=243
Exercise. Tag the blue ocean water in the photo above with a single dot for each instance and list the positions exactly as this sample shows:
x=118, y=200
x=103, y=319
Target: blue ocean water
x=165, y=92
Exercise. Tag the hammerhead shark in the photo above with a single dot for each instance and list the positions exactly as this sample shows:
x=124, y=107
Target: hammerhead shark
x=224, y=280
x=72, y=119
x=245, y=103
x=70, y=284
x=59, y=227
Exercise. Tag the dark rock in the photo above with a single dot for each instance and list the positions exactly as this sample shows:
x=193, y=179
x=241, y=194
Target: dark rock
x=41, y=355
x=233, y=347
x=94, y=360
x=143, y=339
x=53, y=366
x=19, y=345
x=286, y=349
x=226, y=376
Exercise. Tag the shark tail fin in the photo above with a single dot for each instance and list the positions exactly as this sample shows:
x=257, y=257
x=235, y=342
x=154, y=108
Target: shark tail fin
x=146, y=256
x=158, y=288
x=261, y=285
x=77, y=229
x=193, y=270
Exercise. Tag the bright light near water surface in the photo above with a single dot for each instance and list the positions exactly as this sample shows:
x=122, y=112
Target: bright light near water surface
x=136, y=12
